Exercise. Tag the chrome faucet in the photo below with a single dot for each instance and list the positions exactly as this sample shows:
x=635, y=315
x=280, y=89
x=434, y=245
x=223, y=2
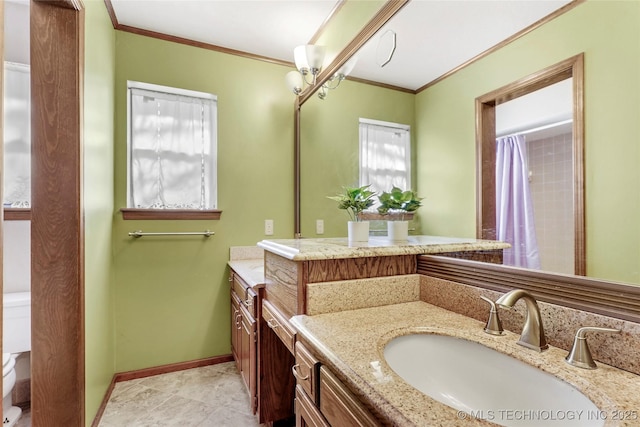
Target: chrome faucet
x=532, y=332
x=580, y=355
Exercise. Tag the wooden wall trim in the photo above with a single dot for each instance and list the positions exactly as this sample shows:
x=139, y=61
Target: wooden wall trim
x=189, y=42
x=172, y=367
x=170, y=214
x=593, y=295
x=502, y=44
x=57, y=229
x=17, y=214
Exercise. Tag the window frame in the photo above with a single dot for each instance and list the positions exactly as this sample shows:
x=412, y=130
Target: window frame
x=130, y=213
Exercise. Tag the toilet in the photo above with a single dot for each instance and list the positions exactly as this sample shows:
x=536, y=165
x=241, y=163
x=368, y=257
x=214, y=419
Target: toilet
x=16, y=330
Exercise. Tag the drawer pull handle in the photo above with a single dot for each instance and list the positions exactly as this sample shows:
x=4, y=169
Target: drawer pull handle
x=294, y=369
x=272, y=323
x=248, y=302
x=238, y=317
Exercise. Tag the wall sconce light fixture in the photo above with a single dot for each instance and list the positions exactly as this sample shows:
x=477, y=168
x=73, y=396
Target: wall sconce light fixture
x=308, y=59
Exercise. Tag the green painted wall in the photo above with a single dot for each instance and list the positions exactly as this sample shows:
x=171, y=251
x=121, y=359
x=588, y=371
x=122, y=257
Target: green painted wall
x=609, y=34
x=172, y=294
x=98, y=204
x=329, y=147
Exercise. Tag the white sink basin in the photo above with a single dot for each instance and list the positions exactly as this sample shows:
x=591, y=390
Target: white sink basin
x=487, y=384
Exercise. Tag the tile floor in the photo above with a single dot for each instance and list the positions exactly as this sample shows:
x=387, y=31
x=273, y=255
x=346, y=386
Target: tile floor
x=25, y=419
x=211, y=396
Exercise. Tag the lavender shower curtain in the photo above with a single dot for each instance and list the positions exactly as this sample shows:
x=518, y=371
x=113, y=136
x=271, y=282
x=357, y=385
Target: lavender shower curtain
x=514, y=208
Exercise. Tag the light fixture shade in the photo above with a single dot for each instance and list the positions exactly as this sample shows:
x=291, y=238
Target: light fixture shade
x=315, y=56
x=294, y=81
x=348, y=67
x=300, y=58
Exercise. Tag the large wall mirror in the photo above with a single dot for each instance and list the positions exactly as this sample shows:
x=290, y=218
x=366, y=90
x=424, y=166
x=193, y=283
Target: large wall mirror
x=442, y=117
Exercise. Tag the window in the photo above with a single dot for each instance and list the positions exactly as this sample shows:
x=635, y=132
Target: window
x=385, y=155
x=172, y=155
x=17, y=136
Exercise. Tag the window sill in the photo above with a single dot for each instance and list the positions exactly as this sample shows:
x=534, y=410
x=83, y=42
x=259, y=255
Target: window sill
x=392, y=216
x=170, y=214
x=17, y=214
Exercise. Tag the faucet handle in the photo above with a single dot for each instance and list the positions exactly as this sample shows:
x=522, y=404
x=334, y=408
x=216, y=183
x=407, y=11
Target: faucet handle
x=580, y=356
x=494, y=325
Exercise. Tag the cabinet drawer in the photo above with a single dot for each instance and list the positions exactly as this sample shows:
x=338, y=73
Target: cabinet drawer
x=250, y=302
x=339, y=406
x=307, y=415
x=306, y=371
x=279, y=324
x=245, y=293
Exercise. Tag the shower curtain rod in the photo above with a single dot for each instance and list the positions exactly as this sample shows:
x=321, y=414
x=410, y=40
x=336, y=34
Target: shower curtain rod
x=536, y=129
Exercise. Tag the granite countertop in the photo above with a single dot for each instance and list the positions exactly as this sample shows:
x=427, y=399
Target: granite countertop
x=351, y=343
x=251, y=270
x=340, y=247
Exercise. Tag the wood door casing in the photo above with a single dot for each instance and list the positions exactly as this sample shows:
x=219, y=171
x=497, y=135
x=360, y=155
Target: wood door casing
x=57, y=229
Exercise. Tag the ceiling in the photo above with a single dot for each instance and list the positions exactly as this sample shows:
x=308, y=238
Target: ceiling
x=432, y=36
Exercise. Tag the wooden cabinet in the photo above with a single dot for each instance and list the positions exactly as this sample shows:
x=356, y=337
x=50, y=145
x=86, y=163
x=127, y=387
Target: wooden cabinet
x=244, y=334
x=339, y=406
x=307, y=413
x=321, y=399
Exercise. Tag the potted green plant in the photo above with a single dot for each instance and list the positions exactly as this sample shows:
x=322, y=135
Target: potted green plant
x=355, y=200
x=399, y=202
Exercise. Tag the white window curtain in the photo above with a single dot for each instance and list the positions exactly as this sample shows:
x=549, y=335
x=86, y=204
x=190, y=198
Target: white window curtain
x=17, y=135
x=385, y=155
x=172, y=149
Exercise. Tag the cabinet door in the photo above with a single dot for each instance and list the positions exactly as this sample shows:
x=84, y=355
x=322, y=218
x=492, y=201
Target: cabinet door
x=339, y=406
x=236, y=329
x=307, y=415
x=248, y=353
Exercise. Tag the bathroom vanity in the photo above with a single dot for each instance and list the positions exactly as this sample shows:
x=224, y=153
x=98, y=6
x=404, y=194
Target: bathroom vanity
x=345, y=350
x=246, y=278
x=293, y=267
x=324, y=310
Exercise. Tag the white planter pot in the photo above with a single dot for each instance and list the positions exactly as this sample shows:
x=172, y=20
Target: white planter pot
x=358, y=231
x=398, y=231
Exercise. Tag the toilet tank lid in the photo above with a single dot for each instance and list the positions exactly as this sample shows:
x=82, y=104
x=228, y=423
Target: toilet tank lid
x=15, y=299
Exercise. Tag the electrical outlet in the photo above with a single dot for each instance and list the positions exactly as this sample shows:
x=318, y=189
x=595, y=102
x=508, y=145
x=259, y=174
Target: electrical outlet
x=319, y=226
x=268, y=227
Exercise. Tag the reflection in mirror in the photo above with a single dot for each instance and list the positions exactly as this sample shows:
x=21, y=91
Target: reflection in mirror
x=443, y=134
x=530, y=179
x=543, y=174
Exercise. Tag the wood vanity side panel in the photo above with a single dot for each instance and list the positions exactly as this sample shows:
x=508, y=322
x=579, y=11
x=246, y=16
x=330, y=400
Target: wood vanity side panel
x=281, y=282
x=276, y=383
x=360, y=268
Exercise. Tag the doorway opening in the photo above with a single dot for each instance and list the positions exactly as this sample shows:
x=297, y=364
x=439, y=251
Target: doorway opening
x=566, y=131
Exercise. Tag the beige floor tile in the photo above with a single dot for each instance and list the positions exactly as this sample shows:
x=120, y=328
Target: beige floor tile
x=210, y=396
